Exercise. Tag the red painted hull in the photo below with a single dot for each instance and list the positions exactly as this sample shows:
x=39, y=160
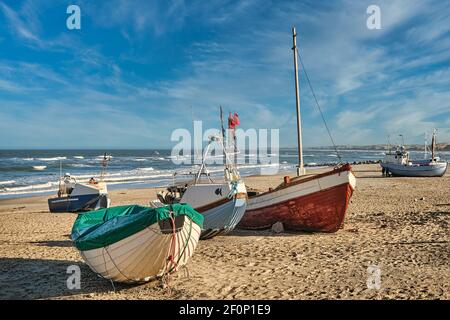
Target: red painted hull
x=322, y=211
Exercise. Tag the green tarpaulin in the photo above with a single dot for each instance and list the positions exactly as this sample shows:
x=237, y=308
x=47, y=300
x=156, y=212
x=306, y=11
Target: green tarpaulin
x=100, y=228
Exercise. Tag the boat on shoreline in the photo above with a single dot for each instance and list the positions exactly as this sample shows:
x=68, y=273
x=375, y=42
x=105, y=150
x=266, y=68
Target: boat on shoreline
x=398, y=163
x=221, y=203
x=136, y=244
x=316, y=202
x=74, y=196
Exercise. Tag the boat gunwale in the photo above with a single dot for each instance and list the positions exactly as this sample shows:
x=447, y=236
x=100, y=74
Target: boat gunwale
x=300, y=180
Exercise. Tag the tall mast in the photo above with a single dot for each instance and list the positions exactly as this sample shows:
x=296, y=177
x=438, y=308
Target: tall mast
x=300, y=167
x=223, y=137
x=433, y=144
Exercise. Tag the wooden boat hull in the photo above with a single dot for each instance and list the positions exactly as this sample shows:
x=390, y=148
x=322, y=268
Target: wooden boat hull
x=144, y=255
x=317, y=203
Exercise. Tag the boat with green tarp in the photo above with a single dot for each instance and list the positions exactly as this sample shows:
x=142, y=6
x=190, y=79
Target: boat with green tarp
x=135, y=243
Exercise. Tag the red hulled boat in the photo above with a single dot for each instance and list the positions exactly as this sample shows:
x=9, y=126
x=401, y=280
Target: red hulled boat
x=308, y=203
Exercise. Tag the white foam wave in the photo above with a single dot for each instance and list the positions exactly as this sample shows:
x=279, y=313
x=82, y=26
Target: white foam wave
x=39, y=168
x=52, y=159
x=7, y=182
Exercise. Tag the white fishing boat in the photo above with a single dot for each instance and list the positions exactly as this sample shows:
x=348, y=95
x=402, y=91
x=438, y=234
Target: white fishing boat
x=398, y=163
x=221, y=203
x=74, y=196
x=135, y=243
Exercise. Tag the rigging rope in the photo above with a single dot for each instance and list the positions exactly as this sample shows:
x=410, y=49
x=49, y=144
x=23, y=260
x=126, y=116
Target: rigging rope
x=318, y=107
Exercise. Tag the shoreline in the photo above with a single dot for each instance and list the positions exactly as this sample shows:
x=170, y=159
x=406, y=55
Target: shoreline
x=131, y=186
x=397, y=224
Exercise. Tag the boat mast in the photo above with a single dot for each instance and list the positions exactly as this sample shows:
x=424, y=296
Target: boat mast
x=433, y=144
x=223, y=137
x=425, y=147
x=300, y=167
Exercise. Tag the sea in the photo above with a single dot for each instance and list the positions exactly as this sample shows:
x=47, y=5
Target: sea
x=36, y=172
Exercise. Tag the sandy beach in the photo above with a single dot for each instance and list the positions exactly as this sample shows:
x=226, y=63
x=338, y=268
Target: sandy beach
x=400, y=225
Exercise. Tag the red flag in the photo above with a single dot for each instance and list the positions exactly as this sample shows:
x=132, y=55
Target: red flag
x=233, y=121
x=236, y=120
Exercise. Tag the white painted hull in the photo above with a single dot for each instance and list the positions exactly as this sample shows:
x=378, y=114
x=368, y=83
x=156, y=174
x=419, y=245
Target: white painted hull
x=144, y=255
x=432, y=170
x=301, y=189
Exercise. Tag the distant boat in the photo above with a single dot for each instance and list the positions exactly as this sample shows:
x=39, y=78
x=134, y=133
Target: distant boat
x=75, y=196
x=398, y=163
x=39, y=168
x=135, y=243
x=222, y=204
x=307, y=202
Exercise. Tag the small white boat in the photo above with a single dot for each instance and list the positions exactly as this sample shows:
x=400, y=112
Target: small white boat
x=398, y=163
x=222, y=204
x=75, y=196
x=135, y=243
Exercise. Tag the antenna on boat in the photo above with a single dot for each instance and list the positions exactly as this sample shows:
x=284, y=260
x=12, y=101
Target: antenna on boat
x=300, y=167
x=223, y=134
x=403, y=140
x=196, y=155
x=106, y=158
x=60, y=176
x=433, y=144
x=425, y=151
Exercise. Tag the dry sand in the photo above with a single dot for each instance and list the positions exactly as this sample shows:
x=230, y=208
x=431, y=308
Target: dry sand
x=399, y=224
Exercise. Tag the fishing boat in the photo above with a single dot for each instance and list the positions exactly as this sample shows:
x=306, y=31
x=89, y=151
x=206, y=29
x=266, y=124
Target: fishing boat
x=398, y=163
x=308, y=202
x=222, y=204
x=135, y=243
x=74, y=196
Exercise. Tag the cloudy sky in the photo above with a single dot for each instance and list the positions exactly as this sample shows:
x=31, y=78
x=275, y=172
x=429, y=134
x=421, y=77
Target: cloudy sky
x=137, y=70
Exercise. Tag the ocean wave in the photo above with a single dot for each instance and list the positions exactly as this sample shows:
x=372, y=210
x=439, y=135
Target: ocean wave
x=6, y=182
x=39, y=168
x=35, y=187
x=78, y=157
x=80, y=165
x=51, y=159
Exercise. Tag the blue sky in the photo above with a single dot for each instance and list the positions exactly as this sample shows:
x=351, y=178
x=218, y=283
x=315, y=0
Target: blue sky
x=129, y=77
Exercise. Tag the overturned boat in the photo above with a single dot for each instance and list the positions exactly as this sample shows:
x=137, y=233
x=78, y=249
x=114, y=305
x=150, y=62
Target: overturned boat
x=221, y=203
x=398, y=163
x=135, y=243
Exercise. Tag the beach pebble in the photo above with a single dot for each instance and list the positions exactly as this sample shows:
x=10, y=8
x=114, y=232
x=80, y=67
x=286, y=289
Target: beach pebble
x=278, y=227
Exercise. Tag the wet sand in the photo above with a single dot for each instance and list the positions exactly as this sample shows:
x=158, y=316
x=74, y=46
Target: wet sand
x=399, y=225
